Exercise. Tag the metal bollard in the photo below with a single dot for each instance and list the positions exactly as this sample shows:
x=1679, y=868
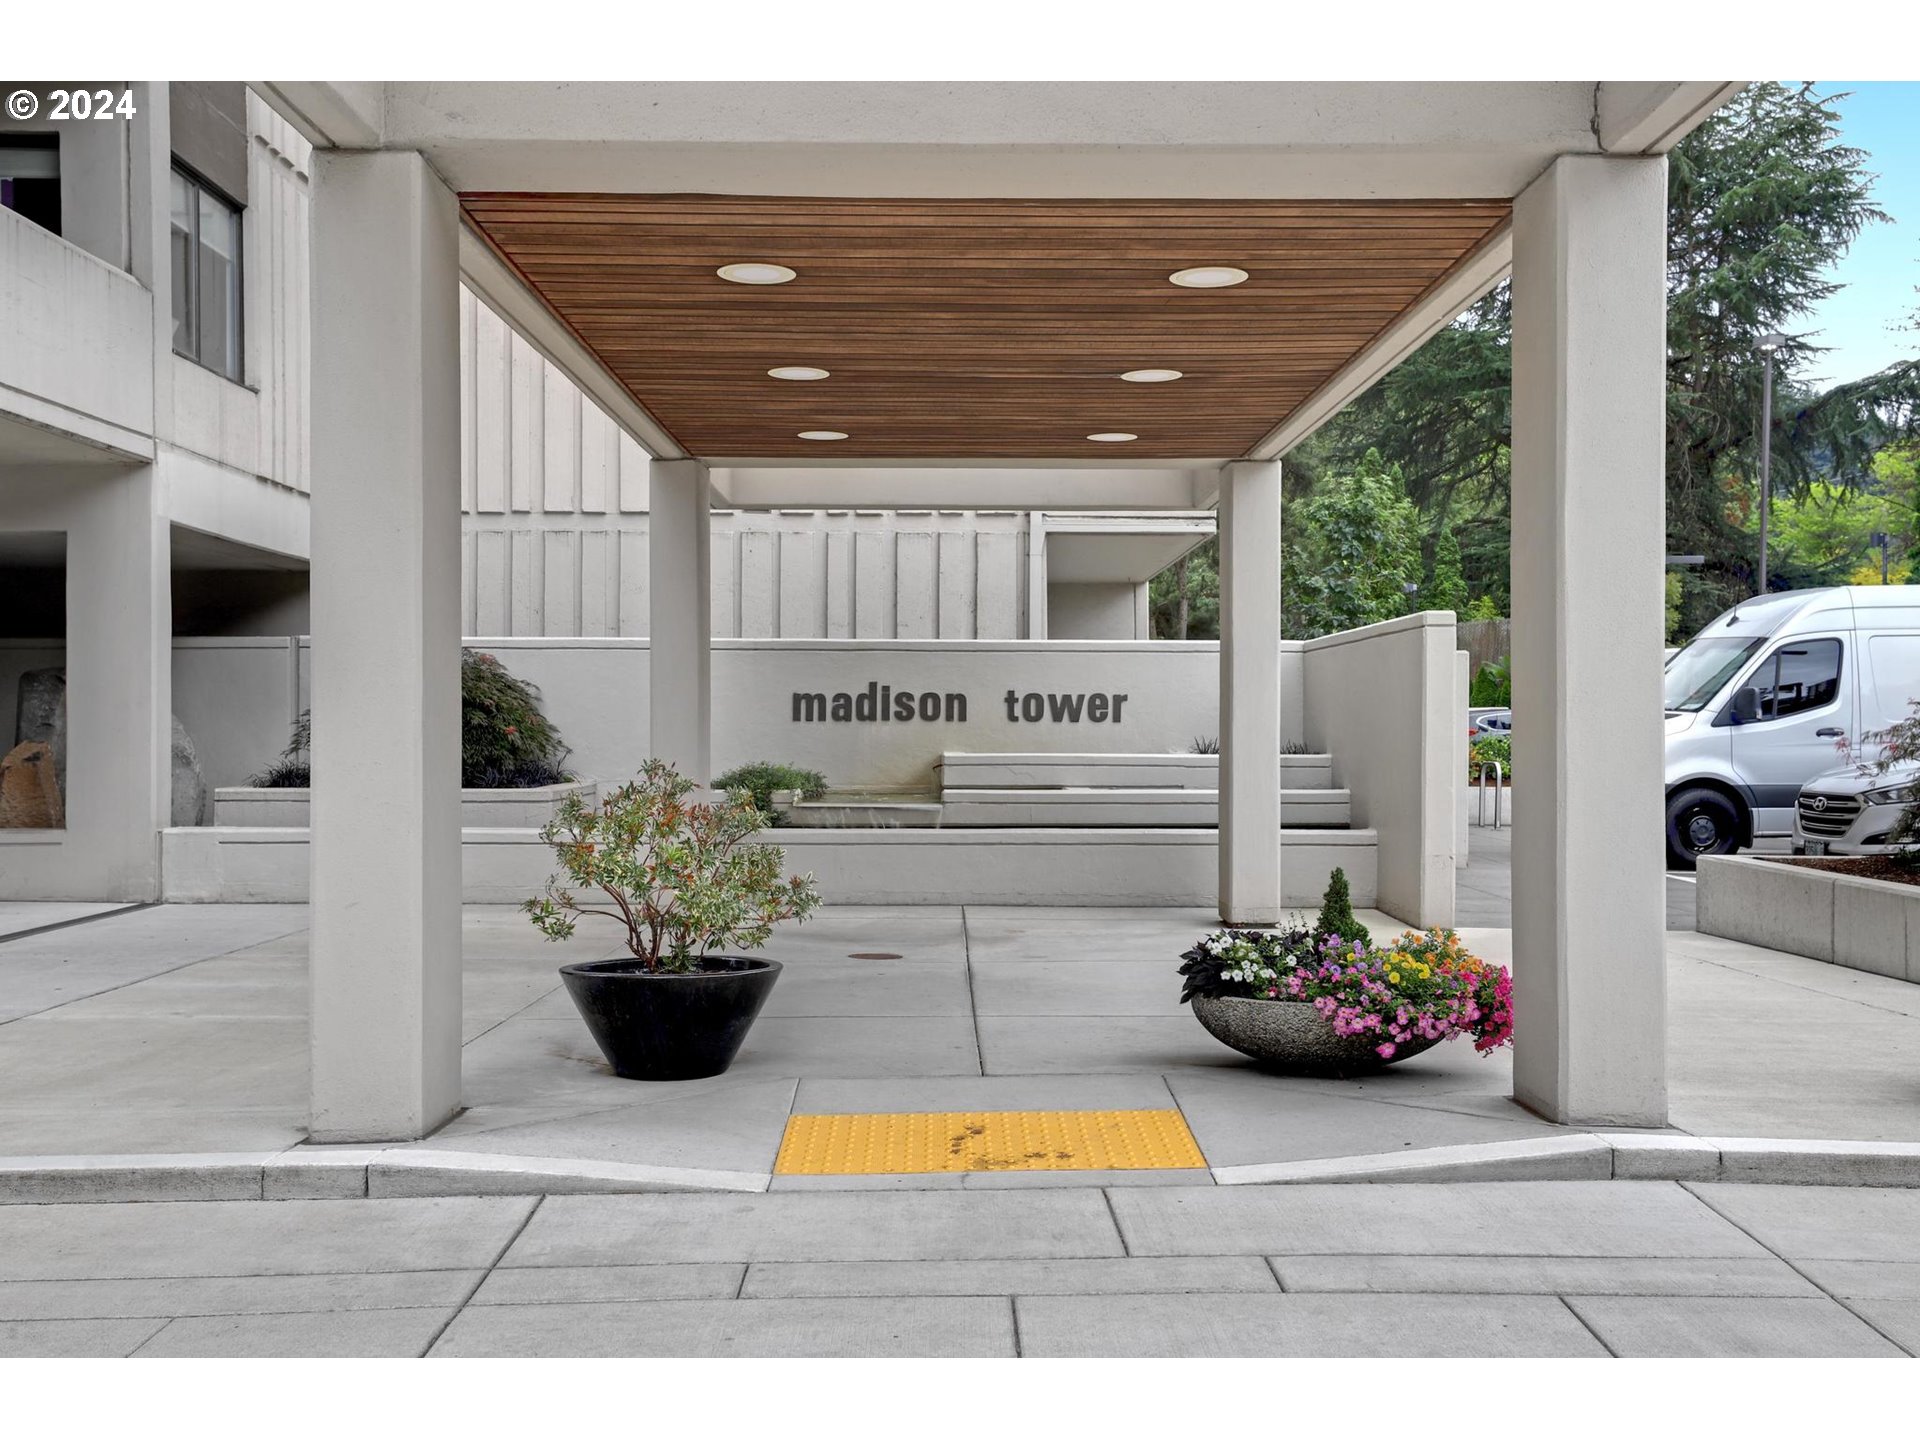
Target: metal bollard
x=1490, y=767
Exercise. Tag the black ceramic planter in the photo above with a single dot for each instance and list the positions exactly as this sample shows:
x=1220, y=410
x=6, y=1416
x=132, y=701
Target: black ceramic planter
x=670, y=1027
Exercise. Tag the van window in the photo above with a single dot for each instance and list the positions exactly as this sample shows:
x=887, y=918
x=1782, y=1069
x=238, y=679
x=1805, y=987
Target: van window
x=1896, y=676
x=1801, y=675
x=1695, y=675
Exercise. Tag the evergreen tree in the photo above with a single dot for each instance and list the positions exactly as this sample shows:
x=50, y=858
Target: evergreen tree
x=1446, y=587
x=1336, y=912
x=1352, y=548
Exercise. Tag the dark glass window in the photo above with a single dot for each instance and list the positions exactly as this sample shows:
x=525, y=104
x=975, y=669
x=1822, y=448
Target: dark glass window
x=1801, y=675
x=30, y=178
x=206, y=276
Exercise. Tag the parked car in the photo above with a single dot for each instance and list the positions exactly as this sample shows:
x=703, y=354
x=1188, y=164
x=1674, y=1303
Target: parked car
x=1847, y=813
x=1761, y=700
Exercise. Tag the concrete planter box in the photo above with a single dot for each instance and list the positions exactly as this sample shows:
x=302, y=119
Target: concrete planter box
x=838, y=811
x=1871, y=925
x=255, y=807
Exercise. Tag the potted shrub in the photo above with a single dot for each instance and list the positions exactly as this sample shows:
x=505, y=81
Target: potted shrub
x=688, y=892
x=1315, y=1002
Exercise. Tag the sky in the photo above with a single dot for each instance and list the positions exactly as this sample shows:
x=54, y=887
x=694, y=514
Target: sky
x=1882, y=268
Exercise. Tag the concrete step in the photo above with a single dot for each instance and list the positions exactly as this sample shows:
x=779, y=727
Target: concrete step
x=1316, y=809
x=1010, y=771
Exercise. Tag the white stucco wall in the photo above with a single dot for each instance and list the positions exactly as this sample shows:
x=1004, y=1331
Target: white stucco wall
x=1383, y=697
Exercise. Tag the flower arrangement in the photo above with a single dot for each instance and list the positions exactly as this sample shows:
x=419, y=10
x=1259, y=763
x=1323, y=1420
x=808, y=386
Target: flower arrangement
x=1425, y=985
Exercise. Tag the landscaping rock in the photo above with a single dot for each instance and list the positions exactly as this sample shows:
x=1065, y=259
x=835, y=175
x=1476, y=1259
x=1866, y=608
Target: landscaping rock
x=29, y=793
x=41, y=714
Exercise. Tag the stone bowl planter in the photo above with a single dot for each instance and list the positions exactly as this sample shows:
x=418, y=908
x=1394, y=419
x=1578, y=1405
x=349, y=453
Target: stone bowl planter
x=1292, y=1037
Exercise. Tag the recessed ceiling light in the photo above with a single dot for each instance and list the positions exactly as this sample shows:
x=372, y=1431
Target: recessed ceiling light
x=1208, y=277
x=756, y=274
x=1112, y=437
x=797, y=372
x=1151, y=377
x=823, y=434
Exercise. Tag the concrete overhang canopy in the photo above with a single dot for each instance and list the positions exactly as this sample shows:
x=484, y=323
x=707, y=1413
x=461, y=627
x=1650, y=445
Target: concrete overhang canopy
x=978, y=262
x=1121, y=548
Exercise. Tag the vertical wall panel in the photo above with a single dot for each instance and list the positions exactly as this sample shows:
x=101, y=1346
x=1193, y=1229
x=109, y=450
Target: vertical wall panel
x=633, y=475
x=634, y=598
x=560, y=586
x=915, y=585
x=840, y=585
x=524, y=606
x=997, y=585
x=759, y=584
x=469, y=408
x=492, y=584
x=803, y=584
x=493, y=412
x=956, y=585
x=599, y=458
x=599, y=583
x=560, y=467
x=724, y=580
x=527, y=422
x=873, y=585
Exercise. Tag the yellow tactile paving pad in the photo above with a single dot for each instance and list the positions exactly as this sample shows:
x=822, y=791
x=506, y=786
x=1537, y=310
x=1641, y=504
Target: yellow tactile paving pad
x=919, y=1144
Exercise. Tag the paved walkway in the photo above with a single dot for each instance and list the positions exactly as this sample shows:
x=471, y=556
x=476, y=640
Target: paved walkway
x=182, y=1029
x=1560, y=1269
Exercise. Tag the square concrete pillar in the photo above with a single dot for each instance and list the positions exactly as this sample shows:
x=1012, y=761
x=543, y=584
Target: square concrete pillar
x=1250, y=693
x=679, y=627
x=385, y=967
x=1589, y=535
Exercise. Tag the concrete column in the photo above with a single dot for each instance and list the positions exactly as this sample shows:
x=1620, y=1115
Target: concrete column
x=1250, y=693
x=680, y=627
x=385, y=969
x=1589, y=531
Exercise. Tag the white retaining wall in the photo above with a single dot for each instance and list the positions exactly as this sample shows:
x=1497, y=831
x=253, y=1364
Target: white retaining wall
x=1382, y=699
x=1871, y=925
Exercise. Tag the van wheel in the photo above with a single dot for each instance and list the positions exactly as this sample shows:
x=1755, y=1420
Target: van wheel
x=1700, y=822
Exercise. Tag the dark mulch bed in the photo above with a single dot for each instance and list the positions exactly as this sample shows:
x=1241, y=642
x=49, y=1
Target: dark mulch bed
x=1867, y=867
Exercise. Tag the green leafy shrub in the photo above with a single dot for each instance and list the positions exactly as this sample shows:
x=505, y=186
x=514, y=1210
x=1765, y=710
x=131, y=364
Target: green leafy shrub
x=1336, y=913
x=1490, y=750
x=1493, y=683
x=678, y=878
x=506, y=741
x=761, y=778
x=1484, y=607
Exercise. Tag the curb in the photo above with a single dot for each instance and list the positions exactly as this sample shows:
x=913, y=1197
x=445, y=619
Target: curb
x=343, y=1173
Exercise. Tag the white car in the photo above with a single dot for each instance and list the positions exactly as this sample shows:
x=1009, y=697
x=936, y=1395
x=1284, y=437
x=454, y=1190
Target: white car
x=1847, y=813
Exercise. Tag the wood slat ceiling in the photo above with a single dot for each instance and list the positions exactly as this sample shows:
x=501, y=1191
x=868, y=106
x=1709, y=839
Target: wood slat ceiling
x=975, y=329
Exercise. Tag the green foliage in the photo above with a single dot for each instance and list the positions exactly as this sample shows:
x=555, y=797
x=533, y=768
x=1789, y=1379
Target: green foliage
x=1490, y=750
x=1492, y=683
x=760, y=779
x=1482, y=608
x=1763, y=198
x=1199, y=573
x=1446, y=587
x=678, y=878
x=1675, y=591
x=1897, y=745
x=1351, y=549
x=506, y=742
x=1336, y=912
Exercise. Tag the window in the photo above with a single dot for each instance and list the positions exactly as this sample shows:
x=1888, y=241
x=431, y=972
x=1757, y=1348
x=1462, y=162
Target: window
x=1801, y=675
x=1695, y=675
x=30, y=178
x=206, y=276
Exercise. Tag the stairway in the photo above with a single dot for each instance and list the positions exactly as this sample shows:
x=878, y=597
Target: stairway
x=1134, y=791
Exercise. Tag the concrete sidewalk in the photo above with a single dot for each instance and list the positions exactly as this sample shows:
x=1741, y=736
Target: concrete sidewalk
x=1549, y=1269
x=181, y=1030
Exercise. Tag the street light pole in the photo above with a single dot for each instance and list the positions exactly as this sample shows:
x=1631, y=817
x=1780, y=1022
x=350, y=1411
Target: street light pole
x=1766, y=344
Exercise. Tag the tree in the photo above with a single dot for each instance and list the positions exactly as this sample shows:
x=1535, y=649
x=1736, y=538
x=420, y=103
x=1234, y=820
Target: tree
x=1351, y=549
x=1196, y=578
x=1446, y=587
x=1763, y=198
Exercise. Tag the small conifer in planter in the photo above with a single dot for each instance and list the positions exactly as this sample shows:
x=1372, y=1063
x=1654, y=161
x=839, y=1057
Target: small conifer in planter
x=686, y=889
x=1336, y=912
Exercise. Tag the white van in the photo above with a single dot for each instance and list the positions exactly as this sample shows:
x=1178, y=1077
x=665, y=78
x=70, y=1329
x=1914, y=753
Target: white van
x=1760, y=701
